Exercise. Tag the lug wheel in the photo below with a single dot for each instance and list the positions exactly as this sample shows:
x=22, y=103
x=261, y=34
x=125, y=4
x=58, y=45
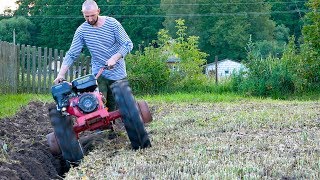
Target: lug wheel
x=144, y=111
x=65, y=137
x=130, y=115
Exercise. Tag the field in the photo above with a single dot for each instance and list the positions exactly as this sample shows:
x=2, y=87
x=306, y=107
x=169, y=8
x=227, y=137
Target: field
x=235, y=140
x=192, y=138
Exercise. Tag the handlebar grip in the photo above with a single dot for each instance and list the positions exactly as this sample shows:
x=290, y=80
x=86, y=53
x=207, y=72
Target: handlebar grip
x=108, y=67
x=61, y=80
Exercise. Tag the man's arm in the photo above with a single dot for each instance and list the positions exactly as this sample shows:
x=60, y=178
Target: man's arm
x=124, y=40
x=71, y=55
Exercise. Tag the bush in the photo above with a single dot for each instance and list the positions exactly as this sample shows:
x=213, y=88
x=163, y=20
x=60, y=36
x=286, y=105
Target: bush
x=293, y=73
x=267, y=77
x=149, y=73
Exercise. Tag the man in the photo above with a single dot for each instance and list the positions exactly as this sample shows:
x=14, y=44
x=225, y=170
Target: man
x=108, y=44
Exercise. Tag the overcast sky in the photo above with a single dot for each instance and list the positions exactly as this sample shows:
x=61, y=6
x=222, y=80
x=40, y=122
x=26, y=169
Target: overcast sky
x=7, y=3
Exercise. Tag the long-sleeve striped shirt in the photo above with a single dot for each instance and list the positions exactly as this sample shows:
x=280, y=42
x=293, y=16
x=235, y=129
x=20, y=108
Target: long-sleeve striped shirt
x=102, y=42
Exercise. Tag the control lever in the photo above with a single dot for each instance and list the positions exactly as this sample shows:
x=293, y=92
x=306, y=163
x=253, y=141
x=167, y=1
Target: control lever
x=102, y=69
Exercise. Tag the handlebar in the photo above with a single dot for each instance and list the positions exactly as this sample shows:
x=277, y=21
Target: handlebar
x=102, y=69
x=61, y=80
x=97, y=76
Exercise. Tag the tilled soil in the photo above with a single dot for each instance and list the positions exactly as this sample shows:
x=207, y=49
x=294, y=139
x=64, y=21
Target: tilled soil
x=24, y=153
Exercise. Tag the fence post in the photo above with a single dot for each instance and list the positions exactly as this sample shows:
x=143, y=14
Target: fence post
x=55, y=63
x=39, y=69
x=28, y=68
x=216, y=62
x=88, y=65
x=34, y=69
x=23, y=64
x=2, y=67
x=60, y=62
x=13, y=70
x=18, y=58
x=45, y=69
x=50, y=69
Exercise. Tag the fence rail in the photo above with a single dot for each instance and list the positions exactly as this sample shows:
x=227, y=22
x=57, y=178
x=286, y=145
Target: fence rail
x=28, y=69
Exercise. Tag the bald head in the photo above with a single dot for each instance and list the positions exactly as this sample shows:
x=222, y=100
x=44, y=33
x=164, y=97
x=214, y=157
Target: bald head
x=91, y=11
x=89, y=5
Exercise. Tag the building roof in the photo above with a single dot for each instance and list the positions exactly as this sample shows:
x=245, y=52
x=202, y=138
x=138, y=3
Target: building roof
x=224, y=60
x=173, y=59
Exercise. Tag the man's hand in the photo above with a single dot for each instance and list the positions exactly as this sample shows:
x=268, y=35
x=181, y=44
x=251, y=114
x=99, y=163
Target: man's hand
x=58, y=79
x=113, y=60
x=61, y=75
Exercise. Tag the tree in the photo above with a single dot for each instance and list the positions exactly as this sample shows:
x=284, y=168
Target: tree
x=224, y=27
x=274, y=47
x=56, y=20
x=184, y=9
x=290, y=13
x=142, y=19
x=309, y=67
x=23, y=29
x=311, y=30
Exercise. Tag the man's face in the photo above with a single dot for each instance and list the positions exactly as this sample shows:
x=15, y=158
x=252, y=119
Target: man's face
x=91, y=15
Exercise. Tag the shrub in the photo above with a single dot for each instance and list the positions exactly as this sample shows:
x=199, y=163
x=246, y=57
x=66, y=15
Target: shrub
x=267, y=77
x=148, y=71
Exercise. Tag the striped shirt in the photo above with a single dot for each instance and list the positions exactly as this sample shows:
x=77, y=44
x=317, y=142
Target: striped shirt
x=102, y=42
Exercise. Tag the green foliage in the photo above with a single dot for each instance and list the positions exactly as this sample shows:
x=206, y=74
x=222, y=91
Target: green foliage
x=267, y=77
x=133, y=16
x=190, y=60
x=175, y=9
x=186, y=48
x=223, y=27
x=228, y=37
x=293, y=20
x=308, y=66
x=307, y=69
x=55, y=24
x=23, y=29
x=57, y=20
x=149, y=72
x=293, y=73
x=311, y=31
x=274, y=47
x=282, y=34
x=269, y=48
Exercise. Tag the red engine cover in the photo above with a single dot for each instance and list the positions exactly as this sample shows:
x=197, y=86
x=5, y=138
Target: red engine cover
x=74, y=110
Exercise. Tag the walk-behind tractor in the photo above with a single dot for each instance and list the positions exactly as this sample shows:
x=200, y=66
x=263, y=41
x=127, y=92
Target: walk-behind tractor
x=81, y=107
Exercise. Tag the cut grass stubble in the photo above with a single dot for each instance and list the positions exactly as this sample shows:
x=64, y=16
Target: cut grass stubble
x=246, y=139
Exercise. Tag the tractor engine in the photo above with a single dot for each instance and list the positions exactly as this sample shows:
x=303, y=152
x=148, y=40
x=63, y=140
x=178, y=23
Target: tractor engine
x=78, y=98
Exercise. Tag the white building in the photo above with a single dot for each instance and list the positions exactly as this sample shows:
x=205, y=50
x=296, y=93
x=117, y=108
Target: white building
x=225, y=68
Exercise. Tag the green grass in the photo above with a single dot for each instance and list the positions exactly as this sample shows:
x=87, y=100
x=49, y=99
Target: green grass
x=194, y=97
x=12, y=103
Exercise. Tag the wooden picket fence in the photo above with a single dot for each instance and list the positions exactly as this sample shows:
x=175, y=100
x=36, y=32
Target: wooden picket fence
x=29, y=69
